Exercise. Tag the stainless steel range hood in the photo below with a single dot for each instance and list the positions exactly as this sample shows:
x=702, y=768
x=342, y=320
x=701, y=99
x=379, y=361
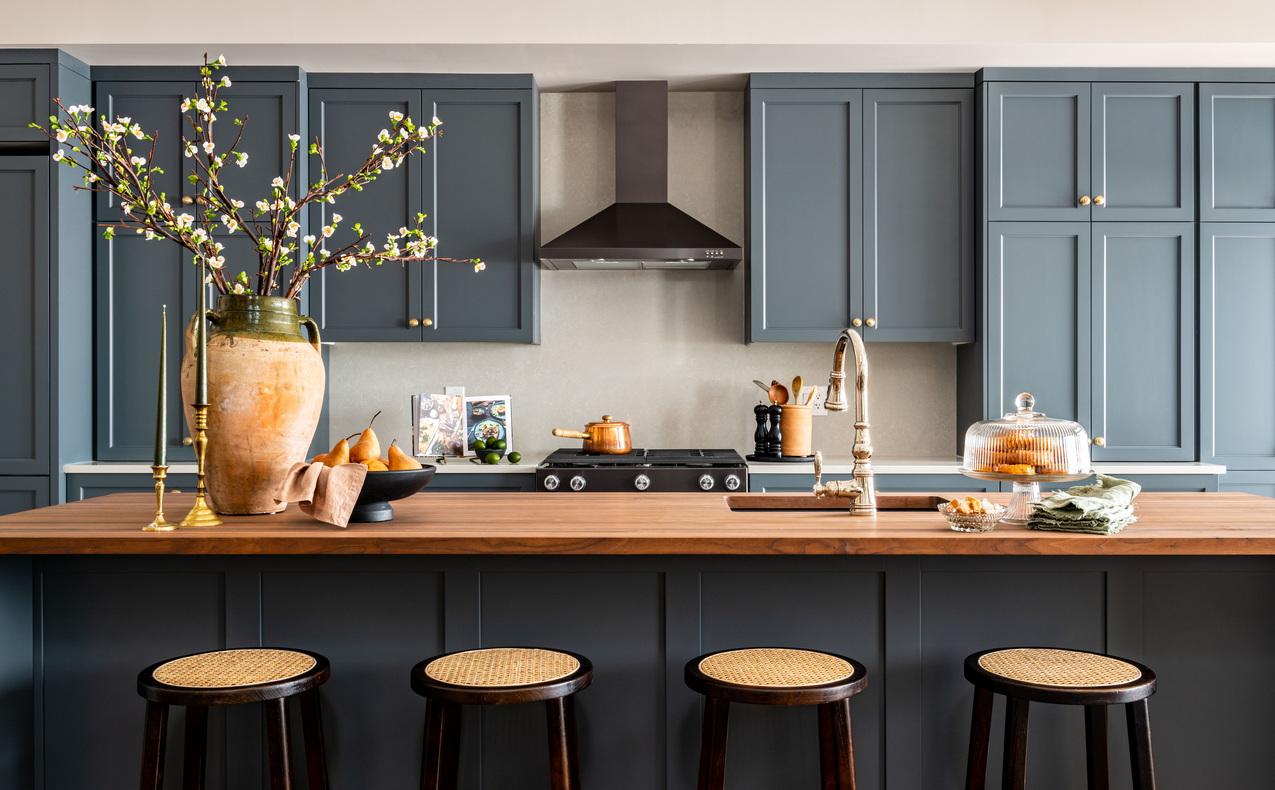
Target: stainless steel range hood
x=641, y=230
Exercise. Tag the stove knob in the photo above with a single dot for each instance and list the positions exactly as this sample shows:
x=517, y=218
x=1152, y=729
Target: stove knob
x=732, y=482
x=551, y=483
x=642, y=482
x=706, y=482
x=577, y=483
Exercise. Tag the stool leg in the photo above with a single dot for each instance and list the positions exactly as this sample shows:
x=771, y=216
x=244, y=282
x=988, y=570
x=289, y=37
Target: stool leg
x=316, y=763
x=712, y=754
x=441, y=752
x=279, y=743
x=1136, y=714
x=845, y=744
x=564, y=770
x=1096, y=746
x=1014, y=776
x=980, y=740
x=195, y=751
x=154, y=735
x=827, y=749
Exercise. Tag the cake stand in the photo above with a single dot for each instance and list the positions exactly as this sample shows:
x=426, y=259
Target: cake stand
x=1026, y=490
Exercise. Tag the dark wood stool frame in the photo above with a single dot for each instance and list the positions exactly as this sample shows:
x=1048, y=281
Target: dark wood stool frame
x=440, y=760
x=836, y=744
x=1018, y=695
x=159, y=696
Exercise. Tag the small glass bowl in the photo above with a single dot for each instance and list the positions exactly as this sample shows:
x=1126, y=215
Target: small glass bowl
x=973, y=522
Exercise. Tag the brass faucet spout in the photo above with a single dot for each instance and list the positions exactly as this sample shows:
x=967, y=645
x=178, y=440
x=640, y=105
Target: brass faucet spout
x=866, y=502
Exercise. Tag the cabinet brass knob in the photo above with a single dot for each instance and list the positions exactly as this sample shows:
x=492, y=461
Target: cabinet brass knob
x=413, y=322
x=871, y=322
x=187, y=200
x=187, y=441
x=1100, y=200
x=857, y=322
x=1084, y=200
x=427, y=322
x=1098, y=440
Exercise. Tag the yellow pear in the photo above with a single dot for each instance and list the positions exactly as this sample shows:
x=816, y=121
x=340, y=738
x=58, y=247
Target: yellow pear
x=367, y=447
x=374, y=465
x=400, y=459
x=340, y=454
x=320, y=458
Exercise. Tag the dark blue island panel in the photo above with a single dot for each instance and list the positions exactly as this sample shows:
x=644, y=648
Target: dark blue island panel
x=77, y=630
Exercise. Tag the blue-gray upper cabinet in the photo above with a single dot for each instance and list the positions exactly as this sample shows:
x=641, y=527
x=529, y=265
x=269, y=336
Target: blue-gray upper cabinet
x=477, y=185
x=1097, y=322
x=861, y=214
x=1101, y=151
x=24, y=99
x=1237, y=345
x=135, y=278
x=1237, y=156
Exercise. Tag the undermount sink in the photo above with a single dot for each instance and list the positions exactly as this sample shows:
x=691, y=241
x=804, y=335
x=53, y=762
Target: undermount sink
x=812, y=502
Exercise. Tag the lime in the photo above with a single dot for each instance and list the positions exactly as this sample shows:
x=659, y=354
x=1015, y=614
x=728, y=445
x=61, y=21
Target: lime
x=480, y=444
x=498, y=444
x=515, y=458
x=492, y=458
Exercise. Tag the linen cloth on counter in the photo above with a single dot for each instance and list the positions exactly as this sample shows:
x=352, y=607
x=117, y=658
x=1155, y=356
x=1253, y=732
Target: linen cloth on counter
x=327, y=493
x=1102, y=508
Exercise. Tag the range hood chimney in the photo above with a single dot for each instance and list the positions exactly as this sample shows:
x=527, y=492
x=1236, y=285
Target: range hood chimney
x=641, y=230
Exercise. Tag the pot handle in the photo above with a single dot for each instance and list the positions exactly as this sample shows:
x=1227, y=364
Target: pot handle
x=572, y=434
x=312, y=325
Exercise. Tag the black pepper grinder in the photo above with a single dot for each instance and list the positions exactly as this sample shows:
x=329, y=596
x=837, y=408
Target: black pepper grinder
x=773, y=437
x=760, y=445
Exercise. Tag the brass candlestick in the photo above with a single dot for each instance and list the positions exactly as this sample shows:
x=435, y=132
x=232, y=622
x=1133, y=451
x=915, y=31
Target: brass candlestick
x=160, y=524
x=200, y=515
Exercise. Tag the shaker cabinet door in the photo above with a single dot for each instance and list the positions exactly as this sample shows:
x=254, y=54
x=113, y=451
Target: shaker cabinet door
x=1038, y=317
x=24, y=322
x=1037, y=138
x=805, y=219
x=367, y=303
x=24, y=100
x=1143, y=296
x=918, y=197
x=1143, y=145
x=1237, y=345
x=1237, y=153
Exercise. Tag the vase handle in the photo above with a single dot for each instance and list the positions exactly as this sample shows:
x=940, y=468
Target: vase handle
x=209, y=315
x=312, y=325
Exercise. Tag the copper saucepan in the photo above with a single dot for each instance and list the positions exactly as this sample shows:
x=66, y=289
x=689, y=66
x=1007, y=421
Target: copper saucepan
x=607, y=436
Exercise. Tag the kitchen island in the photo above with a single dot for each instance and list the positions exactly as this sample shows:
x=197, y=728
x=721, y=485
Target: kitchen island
x=640, y=584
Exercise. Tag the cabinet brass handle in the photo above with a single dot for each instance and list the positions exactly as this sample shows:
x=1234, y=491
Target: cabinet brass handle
x=871, y=322
x=187, y=200
x=1084, y=200
x=1100, y=200
x=857, y=322
x=1098, y=440
x=427, y=322
x=413, y=322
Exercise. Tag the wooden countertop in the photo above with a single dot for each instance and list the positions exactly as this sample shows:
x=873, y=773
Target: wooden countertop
x=630, y=523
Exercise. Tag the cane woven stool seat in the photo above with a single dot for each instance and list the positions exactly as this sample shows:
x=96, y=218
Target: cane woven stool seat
x=778, y=676
x=268, y=675
x=1064, y=677
x=499, y=676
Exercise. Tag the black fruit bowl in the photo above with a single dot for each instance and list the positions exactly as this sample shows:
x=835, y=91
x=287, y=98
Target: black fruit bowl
x=381, y=488
x=481, y=455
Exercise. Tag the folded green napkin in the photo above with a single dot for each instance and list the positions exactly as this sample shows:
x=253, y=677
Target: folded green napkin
x=1103, y=508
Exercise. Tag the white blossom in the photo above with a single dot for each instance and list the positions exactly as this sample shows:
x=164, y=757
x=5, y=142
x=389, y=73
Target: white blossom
x=217, y=261
x=422, y=132
x=209, y=147
x=396, y=116
x=309, y=240
x=436, y=122
x=186, y=104
x=237, y=203
x=238, y=288
x=225, y=82
x=184, y=220
x=203, y=106
x=243, y=158
x=61, y=135
x=330, y=198
x=127, y=208
x=191, y=150
x=294, y=137
x=336, y=218
x=150, y=234
x=277, y=183
x=59, y=155
x=387, y=163
x=221, y=60
x=138, y=161
x=402, y=231
x=199, y=234
x=293, y=228
x=263, y=205
x=136, y=131
x=328, y=230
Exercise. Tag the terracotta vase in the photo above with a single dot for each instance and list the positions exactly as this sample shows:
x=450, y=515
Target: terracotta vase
x=265, y=392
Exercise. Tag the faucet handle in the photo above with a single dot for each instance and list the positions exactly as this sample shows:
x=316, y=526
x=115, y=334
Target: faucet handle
x=818, y=466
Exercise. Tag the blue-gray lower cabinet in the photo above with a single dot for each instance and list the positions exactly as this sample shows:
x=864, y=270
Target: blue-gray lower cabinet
x=78, y=628
x=512, y=481
x=860, y=212
x=1237, y=344
x=938, y=483
x=23, y=493
x=1237, y=160
x=1065, y=151
x=477, y=186
x=1097, y=322
x=87, y=485
x=1260, y=483
x=1172, y=482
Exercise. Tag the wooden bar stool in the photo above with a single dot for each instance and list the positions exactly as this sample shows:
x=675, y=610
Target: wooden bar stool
x=1065, y=677
x=778, y=676
x=499, y=676
x=234, y=677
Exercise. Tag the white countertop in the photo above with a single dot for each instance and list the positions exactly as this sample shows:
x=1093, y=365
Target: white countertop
x=832, y=465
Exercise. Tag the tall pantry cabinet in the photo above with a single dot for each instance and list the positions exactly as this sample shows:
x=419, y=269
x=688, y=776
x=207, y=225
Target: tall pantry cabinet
x=46, y=402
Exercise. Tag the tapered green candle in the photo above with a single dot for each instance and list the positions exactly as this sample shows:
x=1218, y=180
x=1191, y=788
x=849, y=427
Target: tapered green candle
x=201, y=342
x=161, y=424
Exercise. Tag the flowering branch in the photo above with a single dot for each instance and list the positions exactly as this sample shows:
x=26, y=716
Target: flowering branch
x=272, y=225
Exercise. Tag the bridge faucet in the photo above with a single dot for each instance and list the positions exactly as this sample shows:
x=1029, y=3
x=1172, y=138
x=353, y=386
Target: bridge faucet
x=861, y=488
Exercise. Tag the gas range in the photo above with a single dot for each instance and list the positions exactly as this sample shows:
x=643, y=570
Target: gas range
x=643, y=470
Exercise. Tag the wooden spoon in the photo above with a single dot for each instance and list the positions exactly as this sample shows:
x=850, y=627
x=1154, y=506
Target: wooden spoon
x=778, y=393
x=796, y=389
